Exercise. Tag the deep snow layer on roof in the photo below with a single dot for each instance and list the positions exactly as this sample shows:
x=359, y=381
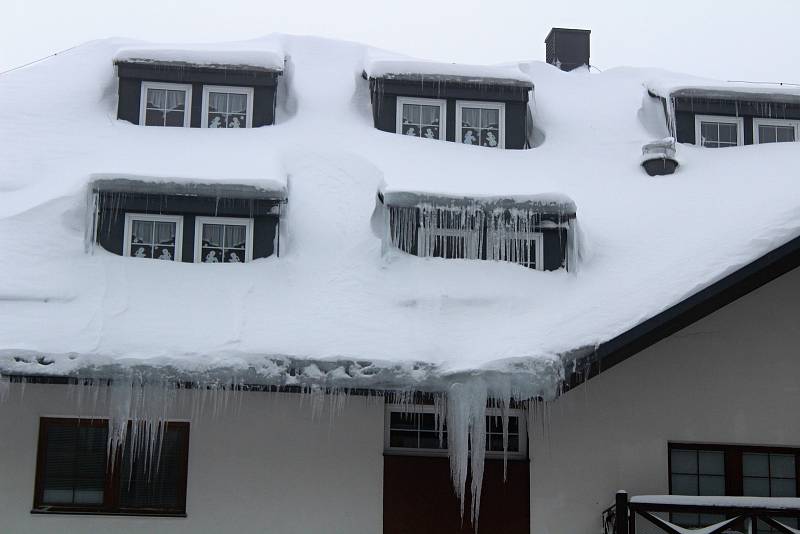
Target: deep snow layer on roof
x=382, y=64
x=674, y=85
x=262, y=54
x=332, y=297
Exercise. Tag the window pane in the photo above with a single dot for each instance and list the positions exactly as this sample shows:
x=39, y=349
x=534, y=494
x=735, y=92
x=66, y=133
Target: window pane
x=469, y=136
x=212, y=235
x=176, y=100
x=211, y=255
x=766, y=134
x=237, y=103
x=235, y=236
x=783, y=487
x=141, y=231
x=712, y=462
x=728, y=133
x=471, y=117
x=684, y=484
x=216, y=120
x=165, y=233
x=709, y=133
x=74, y=464
x=153, y=482
x=403, y=421
x=237, y=121
x=234, y=256
x=684, y=461
x=156, y=98
x=164, y=253
x=712, y=485
x=154, y=118
x=217, y=102
x=174, y=118
x=430, y=115
x=430, y=440
x=782, y=465
x=756, y=487
x=755, y=464
x=404, y=439
x=490, y=138
x=411, y=113
x=785, y=134
x=430, y=132
x=490, y=118
x=141, y=251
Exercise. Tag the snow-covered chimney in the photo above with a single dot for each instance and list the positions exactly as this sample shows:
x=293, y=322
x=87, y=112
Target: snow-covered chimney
x=568, y=48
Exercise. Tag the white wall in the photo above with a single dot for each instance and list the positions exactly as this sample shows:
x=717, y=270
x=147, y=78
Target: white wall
x=733, y=377
x=261, y=465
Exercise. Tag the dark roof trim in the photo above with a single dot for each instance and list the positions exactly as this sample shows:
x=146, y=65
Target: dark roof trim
x=215, y=190
x=178, y=71
x=551, y=204
x=716, y=296
x=417, y=78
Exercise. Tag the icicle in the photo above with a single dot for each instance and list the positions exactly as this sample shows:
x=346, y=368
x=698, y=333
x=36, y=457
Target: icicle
x=5, y=388
x=466, y=433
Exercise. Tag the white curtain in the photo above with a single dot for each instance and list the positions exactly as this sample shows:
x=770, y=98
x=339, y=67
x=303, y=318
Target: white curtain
x=235, y=236
x=212, y=235
x=217, y=102
x=176, y=100
x=142, y=232
x=165, y=233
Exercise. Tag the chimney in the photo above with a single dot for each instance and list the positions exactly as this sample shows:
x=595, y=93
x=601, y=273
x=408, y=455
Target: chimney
x=568, y=48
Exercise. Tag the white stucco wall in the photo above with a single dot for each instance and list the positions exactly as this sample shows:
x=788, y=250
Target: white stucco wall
x=261, y=465
x=732, y=377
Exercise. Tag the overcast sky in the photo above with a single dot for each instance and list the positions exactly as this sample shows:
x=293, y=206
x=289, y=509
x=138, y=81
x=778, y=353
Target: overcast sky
x=728, y=39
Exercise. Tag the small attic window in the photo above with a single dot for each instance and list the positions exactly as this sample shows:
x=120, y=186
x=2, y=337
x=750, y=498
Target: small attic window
x=713, y=131
x=227, y=107
x=153, y=236
x=481, y=123
x=421, y=117
x=223, y=240
x=165, y=104
x=775, y=131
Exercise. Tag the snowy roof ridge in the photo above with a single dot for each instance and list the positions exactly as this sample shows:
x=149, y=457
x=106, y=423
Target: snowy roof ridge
x=674, y=85
x=381, y=64
x=263, y=54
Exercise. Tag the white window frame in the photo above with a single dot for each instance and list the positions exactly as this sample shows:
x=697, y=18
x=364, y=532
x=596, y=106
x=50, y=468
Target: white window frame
x=499, y=106
x=239, y=221
x=538, y=238
x=738, y=121
x=775, y=122
x=233, y=89
x=177, y=219
x=187, y=88
x=412, y=410
x=441, y=103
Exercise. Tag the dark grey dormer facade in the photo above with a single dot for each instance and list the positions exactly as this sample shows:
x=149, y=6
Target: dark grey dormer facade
x=538, y=232
x=191, y=223
x=159, y=93
x=491, y=112
x=717, y=118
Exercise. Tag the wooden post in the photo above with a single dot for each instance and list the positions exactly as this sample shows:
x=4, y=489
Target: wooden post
x=621, y=513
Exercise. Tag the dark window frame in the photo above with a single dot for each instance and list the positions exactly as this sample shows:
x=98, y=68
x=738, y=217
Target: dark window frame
x=111, y=490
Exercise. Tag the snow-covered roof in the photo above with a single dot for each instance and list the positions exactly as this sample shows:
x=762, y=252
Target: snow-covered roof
x=334, y=306
x=381, y=64
x=674, y=85
x=264, y=54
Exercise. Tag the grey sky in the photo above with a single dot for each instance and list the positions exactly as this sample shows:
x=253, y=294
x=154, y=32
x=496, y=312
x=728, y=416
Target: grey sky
x=729, y=39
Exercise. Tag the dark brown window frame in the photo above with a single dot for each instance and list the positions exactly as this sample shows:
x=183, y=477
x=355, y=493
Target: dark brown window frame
x=734, y=479
x=111, y=491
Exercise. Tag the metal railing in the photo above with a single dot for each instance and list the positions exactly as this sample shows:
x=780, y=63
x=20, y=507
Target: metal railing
x=738, y=515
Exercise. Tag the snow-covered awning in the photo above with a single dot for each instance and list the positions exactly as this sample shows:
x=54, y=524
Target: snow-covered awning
x=175, y=187
x=686, y=87
x=243, y=56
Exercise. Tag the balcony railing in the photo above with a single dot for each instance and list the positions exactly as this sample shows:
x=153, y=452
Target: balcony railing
x=741, y=514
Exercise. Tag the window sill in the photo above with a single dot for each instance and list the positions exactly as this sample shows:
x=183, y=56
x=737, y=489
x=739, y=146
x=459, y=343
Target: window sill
x=129, y=513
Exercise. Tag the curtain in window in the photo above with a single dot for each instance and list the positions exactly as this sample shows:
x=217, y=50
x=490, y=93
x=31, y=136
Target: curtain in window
x=141, y=232
x=235, y=236
x=217, y=102
x=156, y=98
x=176, y=100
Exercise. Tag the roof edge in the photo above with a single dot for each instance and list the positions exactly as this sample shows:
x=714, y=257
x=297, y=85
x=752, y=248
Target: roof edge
x=736, y=285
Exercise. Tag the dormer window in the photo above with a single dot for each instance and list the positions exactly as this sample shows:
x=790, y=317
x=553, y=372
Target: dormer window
x=153, y=236
x=718, y=132
x=481, y=123
x=775, y=130
x=421, y=117
x=227, y=107
x=223, y=240
x=165, y=104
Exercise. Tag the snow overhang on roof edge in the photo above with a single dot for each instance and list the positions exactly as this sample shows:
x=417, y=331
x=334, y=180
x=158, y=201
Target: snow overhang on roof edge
x=551, y=203
x=169, y=186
